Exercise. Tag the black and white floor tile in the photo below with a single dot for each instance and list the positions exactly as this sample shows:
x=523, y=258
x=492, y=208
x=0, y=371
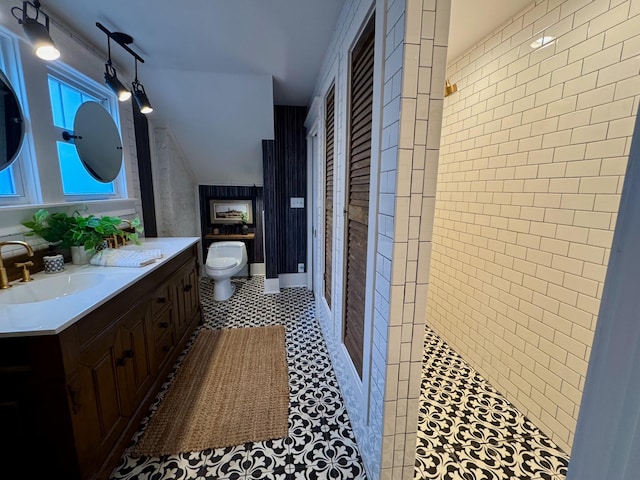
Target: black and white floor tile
x=320, y=444
x=468, y=431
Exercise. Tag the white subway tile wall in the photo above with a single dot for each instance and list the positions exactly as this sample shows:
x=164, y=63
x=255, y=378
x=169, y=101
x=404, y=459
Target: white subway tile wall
x=415, y=38
x=412, y=148
x=533, y=153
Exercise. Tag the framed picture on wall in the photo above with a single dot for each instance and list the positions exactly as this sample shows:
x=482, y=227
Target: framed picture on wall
x=231, y=211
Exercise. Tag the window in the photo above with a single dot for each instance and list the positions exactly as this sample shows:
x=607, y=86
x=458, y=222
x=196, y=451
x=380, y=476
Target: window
x=34, y=179
x=66, y=97
x=11, y=179
x=7, y=184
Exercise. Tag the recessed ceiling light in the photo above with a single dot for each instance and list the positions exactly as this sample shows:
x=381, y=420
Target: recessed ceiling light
x=542, y=42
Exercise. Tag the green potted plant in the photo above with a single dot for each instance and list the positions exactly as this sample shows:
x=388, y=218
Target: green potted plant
x=244, y=219
x=82, y=234
x=53, y=227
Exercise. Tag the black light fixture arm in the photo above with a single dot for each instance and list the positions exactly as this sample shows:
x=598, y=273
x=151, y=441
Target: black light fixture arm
x=109, y=50
x=136, y=73
x=25, y=14
x=119, y=41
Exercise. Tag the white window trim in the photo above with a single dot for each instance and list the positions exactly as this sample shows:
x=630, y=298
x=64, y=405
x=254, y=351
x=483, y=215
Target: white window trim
x=24, y=175
x=72, y=77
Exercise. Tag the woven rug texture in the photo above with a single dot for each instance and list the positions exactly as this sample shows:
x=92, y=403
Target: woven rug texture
x=232, y=388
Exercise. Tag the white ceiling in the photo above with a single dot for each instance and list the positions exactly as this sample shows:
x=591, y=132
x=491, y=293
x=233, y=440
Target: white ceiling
x=472, y=20
x=214, y=68
x=286, y=39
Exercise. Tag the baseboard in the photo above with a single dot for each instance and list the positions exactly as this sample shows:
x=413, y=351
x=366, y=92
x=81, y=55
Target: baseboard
x=289, y=280
x=271, y=285
x=257, y=269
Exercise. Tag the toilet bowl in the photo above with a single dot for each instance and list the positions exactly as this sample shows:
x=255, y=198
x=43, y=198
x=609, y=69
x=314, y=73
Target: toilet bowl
x=224, y=260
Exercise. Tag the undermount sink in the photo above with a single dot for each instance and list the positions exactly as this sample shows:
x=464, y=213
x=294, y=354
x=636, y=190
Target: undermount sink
x=50, y=288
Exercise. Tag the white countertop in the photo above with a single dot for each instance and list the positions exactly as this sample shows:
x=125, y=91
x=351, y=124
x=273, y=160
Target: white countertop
x=50, y=317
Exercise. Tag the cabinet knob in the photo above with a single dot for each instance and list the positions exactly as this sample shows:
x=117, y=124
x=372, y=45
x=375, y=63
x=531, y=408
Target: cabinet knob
x=188, y=287
x=129, y=353
x=161, y=300
x=163, y=324
x=166, y=348
x=121, y=362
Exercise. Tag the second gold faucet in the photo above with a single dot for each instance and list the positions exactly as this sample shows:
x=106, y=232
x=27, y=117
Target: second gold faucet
x=4, y=280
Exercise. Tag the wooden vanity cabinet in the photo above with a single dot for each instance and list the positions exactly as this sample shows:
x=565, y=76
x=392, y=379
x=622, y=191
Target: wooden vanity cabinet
x=80, y=395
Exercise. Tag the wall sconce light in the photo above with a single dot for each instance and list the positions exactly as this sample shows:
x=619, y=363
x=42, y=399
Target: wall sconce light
x=140, y=95
x=111, y=79
x=450, y=88
x=37, y=32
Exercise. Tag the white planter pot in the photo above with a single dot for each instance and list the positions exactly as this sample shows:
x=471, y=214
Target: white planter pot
x=79, y=256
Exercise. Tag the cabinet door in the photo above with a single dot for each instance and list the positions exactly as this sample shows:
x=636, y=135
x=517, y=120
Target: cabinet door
x=134, y=358
x=95, y=396
x=187, y=297
x=191, y=292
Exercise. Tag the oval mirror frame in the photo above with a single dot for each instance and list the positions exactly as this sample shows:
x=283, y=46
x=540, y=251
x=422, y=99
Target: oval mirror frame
x=98, y=142
x=11, y=124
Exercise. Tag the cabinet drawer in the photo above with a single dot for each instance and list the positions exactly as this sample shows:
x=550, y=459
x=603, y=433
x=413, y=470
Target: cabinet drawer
x=161, y=324
x=164, y=347
x=160, y=300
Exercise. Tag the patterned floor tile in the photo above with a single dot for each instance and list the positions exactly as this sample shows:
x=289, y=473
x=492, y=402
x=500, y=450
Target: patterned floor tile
x=320, y=443
x=526, y=459
x=435, y=426
x=438, y=465
x=179, y=467
x=326, y=458
x=468, y=430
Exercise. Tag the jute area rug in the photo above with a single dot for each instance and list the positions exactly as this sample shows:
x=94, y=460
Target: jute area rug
x=232, y=388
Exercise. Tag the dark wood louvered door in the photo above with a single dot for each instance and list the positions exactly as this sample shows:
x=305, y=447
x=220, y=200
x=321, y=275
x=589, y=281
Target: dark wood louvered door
x=357, y=202
x=328, y=192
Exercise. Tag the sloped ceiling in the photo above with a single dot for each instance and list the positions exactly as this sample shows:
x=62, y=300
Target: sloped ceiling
x=286, y=39
x=219, y=129
x=472, y=20
x=214, y=68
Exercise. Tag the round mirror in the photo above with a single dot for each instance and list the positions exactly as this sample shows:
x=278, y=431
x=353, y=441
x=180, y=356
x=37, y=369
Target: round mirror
x=11, y=124
x=97, y=141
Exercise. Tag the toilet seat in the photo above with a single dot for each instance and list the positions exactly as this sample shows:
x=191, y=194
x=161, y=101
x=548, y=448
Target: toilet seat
x=222, y=263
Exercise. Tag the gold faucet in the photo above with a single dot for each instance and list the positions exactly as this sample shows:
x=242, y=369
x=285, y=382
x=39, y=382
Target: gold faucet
x=4, y=281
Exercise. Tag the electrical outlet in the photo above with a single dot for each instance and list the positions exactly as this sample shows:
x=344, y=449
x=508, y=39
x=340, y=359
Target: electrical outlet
x=301, y=268
x=297, y=202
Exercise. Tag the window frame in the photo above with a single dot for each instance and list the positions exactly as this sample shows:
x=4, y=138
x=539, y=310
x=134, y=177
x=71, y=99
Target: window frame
x=22, y=169
x=76, y=80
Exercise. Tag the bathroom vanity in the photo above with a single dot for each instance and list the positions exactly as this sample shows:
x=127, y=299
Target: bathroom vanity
x=78, y=373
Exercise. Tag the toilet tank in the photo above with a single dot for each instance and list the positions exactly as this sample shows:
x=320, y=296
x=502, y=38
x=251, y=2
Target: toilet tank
x=228, y=249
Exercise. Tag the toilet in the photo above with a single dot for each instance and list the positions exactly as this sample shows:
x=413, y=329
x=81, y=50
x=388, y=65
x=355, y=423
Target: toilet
x=224, y=260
